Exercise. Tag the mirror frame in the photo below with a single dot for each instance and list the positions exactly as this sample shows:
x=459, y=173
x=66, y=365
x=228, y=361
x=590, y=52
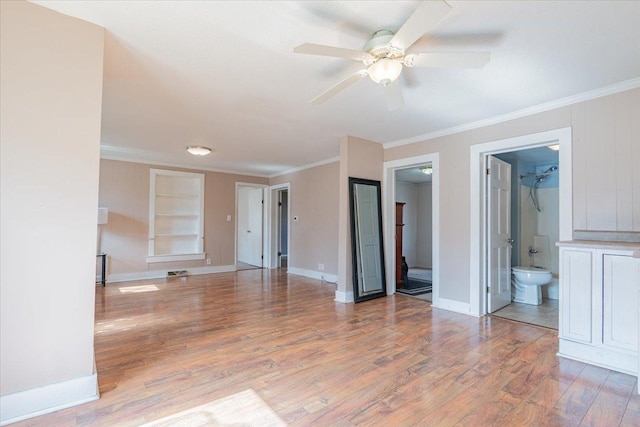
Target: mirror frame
x=357, y=295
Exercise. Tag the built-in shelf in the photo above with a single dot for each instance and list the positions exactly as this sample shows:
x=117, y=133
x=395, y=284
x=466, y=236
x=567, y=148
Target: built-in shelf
x=176, y=216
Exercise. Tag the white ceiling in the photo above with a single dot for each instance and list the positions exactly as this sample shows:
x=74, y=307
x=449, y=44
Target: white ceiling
x=223, y=74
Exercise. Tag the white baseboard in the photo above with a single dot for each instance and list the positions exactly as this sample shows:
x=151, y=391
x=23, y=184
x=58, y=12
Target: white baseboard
x=452, y=305
x=344, y=297
x=599, y=356
x=43, y=400
x=161, y=274
x=319, y=275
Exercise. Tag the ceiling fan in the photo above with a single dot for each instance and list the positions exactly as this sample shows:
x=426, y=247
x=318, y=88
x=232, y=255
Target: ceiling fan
x=385, y=54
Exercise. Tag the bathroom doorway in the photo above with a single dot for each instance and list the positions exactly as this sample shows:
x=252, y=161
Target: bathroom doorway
x=534, y=217
x=480, y=270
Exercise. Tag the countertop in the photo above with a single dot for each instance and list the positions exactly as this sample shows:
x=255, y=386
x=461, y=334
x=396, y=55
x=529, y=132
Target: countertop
x=597, y=244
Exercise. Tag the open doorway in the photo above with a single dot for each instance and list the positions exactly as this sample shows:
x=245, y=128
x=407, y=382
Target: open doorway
x=282, y=220
x=485, y=273
x=413, y=231
x=392, y=221
x=249, y=226
x=279, y=226
x=531, y=230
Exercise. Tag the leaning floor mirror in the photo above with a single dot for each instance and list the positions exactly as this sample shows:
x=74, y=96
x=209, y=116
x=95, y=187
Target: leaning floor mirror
x=366, y=240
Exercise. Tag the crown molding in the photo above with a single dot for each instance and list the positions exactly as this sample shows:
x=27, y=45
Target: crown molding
x=108, y=152
x=309, y=166
x=563, y=102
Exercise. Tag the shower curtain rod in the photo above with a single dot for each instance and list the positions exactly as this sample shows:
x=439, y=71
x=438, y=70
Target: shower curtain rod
x=538, y=174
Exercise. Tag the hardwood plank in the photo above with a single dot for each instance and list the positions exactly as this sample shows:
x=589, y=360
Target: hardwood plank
x=165, y=346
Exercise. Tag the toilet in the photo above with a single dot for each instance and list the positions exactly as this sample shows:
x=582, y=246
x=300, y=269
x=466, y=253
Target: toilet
x=527, y=282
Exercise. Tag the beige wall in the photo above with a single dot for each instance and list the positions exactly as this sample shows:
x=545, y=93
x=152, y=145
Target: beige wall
x=51, y=85
x=314, y=200
x=359, y=158
x=124, y=190
x=606, y=179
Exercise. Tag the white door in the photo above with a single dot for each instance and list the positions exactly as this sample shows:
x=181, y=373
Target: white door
x=254, y=229
x=498, y=233
x=370, y=269
x=250, y=225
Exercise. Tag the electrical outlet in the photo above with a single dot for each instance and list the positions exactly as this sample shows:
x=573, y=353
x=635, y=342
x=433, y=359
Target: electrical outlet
x=228, y=218
x=208, y=261
x=321, y=267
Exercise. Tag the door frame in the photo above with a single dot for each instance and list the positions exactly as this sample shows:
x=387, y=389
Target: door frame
x=271, y=235
x=264, y=222
x=478, y=183
x=389, y=218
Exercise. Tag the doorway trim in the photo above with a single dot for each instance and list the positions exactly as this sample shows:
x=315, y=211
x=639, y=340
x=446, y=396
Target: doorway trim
x=271, y=252
x=264, y=223
x=389, y=218
x=478, y=155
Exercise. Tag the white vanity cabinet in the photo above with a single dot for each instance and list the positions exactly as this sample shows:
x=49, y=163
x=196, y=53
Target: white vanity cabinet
x=599, y=291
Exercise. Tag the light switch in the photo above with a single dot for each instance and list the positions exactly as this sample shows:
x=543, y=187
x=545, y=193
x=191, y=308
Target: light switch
x=228, y=217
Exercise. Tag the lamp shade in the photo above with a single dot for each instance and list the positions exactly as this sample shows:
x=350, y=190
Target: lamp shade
x=385, y=71
x=103, y=216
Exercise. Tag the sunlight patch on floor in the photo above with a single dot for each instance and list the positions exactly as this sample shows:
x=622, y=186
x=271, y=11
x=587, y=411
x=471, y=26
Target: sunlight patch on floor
x=138, y=289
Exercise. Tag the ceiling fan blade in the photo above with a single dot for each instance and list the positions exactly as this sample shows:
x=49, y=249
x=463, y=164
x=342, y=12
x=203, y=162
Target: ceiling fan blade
x=336, y=52
x=393, y=95
x=448, y=60
x=426, y=16
x=334, y=90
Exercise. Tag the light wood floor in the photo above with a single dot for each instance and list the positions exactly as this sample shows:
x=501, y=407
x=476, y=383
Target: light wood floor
x=169, y=345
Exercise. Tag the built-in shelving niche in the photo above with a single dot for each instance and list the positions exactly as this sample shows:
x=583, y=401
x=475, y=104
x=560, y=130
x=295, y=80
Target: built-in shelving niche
x=176, y=216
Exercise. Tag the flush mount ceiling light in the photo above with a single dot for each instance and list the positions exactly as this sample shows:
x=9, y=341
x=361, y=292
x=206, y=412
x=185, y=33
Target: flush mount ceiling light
x=198, y=150
x=427, y=170
x=554, y=147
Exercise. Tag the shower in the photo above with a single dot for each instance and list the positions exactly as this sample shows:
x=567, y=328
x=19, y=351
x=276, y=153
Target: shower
x=538, y=179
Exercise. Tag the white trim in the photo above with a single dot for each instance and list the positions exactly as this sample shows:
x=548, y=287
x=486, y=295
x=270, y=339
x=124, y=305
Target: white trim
x=50, y=398
x=211, y=269
x=271, y=258
x=265, y=197
x=452, y=305
x=312, y=274
x=161, y=274
x=478, y=153
x=122, y=154
x=169, y=258
x=563, y=102
x=344, y=297
x=309, y=166
x=389, y=217
x=599, y=355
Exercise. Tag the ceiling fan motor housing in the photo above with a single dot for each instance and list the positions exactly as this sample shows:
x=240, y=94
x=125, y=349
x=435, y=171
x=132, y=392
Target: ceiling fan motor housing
x=379, y=47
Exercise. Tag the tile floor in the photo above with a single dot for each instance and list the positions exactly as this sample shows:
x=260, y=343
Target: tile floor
x=545, y=314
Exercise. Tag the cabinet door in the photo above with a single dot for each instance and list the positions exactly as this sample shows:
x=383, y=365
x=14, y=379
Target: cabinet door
x=576, y=291
x=621, y=276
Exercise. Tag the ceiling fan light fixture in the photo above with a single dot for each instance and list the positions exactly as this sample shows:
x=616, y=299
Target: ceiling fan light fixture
x=427, y=170
x=385, y=71
x=198, y=150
